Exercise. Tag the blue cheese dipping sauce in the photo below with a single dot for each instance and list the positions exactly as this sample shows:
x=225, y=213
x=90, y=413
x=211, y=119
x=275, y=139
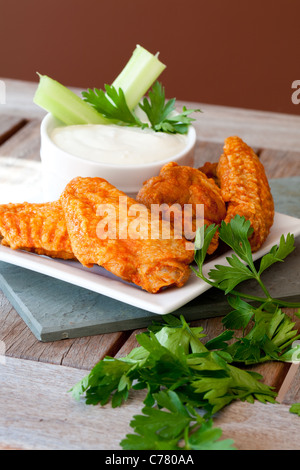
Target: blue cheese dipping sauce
x=124, y=156
x=118, y=145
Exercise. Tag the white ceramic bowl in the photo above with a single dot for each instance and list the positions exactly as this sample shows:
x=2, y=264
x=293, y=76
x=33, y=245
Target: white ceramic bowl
x=60, y=167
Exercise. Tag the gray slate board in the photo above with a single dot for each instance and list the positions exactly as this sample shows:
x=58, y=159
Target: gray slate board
x=55, y=310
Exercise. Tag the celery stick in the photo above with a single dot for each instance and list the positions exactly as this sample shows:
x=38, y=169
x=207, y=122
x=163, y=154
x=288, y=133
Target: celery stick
x=136, y=78
x=138, y=75
x=64, y=104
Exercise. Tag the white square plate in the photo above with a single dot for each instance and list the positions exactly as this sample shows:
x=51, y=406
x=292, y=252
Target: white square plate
x=99, y=280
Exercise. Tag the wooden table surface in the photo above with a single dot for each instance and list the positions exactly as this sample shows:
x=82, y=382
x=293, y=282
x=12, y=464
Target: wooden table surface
x=36, y=410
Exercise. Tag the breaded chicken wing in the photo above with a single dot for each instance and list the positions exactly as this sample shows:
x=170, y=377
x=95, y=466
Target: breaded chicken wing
x=245, y=189
x=210, y=170
x=39, y=228
x=185, y=186
x=104, y=229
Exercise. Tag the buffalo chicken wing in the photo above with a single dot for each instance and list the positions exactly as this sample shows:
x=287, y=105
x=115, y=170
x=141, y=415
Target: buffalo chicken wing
x=145, y=259
x=245, y=189
x=188, y=188
x=38, y=228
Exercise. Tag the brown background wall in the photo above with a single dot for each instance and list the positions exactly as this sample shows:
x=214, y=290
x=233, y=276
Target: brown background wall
x=237, y=52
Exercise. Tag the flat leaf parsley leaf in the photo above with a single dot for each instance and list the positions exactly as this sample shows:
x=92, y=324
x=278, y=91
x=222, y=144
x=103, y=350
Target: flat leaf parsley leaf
x=270, y=331
x=295, y=408
x=111, y=105
x=170, y=423
x=188, y=381
x=179, y=375
x=240, y=265
x=161, y=114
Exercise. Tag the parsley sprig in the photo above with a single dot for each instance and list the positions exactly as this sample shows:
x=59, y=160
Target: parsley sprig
x=180, y=375
x=186, y=380
x=160, y=427
x=161, y=114
x=271, y=332
x=111, y=103
x=295, y=408
x=240, y=266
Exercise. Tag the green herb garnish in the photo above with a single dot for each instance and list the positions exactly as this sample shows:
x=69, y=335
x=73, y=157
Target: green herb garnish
x=116, y=104
x=112, y=105
x=186, y=380
x=271, y=330
x=295, y=408
x=161, y=114
x=179, y=374
x=160, y=428
x=140, y=72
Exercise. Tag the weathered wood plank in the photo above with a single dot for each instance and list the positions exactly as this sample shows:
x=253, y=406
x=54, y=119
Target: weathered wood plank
x=289, y=392
x=130, y=343
x=37, y=412
x=260, y=426
x=257, y=128
x=82, y=353
x=9, y=125
x=279, y=163
x=19, y=99
x=25, y=143
x=293, y=394
x=207, y=152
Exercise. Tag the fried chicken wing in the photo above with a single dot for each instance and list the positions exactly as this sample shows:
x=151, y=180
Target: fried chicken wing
x=210, y=170
x=185, y=186
x=104, y=229
x=39, y=228
x=245, y=189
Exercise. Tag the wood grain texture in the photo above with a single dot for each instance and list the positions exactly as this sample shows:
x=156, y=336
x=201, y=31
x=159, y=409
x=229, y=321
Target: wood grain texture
x=293, y=393
x=207, y=152
x=38, y=413
x=19, y=99
x=130, y=344
x=280, y=163
x=258, y=129
x=85, y=352
x=260, y=426
x=9, y=125
x=25, y=143
x=289, y=392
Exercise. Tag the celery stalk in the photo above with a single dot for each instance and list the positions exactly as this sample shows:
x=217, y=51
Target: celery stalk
x=136, y=78
x=141, y=71
x=64, y=104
